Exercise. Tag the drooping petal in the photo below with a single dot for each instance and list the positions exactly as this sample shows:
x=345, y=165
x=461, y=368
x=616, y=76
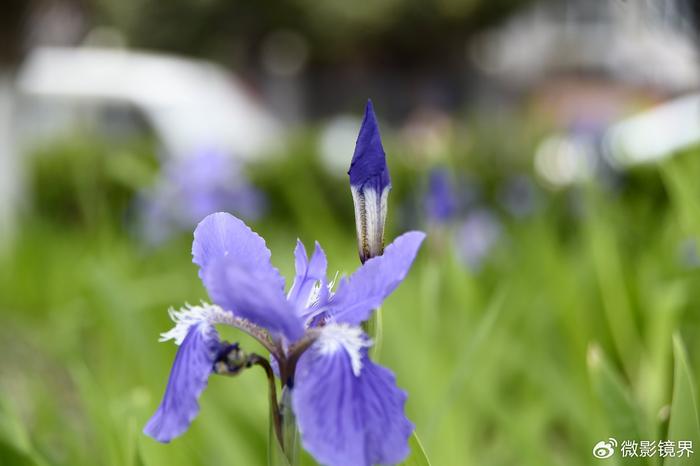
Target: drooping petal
x=188, y=377
x=349, y=410
x=222, y=235
x=253, y=295
x=366, y=289
x=308, y=273
x=370, y=185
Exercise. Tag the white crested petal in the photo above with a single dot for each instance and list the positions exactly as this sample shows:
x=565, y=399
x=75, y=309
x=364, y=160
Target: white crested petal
x=189, y=315
x=343, y=337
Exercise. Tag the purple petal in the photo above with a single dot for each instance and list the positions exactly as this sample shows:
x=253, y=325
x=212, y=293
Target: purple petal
x=366, y=289
x=223, y=235
x=307, y=274
x=347, y=416
x=188, y=377
x=252, y=294
x=369, y=161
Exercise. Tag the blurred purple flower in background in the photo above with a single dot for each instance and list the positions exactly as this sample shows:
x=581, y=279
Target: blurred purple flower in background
x=476, y=237
x=193, y=187
x=519, y=196
x=440, y=200
x=348, y=409
x=688, y=255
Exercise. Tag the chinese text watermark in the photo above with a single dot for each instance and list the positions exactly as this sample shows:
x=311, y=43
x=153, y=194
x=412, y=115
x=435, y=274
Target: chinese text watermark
x=643, y=448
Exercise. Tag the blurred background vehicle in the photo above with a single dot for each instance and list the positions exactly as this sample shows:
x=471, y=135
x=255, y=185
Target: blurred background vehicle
x=187, y=104
x=550, y=148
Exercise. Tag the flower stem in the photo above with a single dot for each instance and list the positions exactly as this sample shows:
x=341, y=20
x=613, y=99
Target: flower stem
x=373, y=328
x=283, y=450
x=290, y=432
x=272, y=393
x=295, y=351
x=260, y=334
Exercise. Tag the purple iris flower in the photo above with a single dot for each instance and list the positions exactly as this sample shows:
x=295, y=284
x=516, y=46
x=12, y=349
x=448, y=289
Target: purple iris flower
x=440, y=200
x=194, y=187
x=370, y=185
x=348, y=409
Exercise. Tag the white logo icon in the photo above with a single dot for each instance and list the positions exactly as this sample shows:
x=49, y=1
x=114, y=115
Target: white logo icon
x=605, y=449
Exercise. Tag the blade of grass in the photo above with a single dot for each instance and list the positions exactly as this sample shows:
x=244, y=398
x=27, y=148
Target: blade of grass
x=462, y=367
x=610, y=273
x=683, y=424
x=15, y=445
x=417, y=457
x=623, y=415
x=681, y=184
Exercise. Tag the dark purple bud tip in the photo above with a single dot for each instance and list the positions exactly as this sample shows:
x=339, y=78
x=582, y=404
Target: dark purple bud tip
x=369, y=160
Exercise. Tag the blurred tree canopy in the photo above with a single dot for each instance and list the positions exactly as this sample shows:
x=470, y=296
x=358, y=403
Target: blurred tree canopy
x=390, y=32
x=12, y=20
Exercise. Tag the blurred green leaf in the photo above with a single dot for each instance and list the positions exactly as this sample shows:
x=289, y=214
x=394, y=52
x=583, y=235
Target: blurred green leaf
x=683, y=423
x=15, y=446
x=12, y=456
x=417, y=457
x=680, y=177
x=623, y=415
x=468, y=353
x=611, y=271
x=11, y=429
x=275, y=454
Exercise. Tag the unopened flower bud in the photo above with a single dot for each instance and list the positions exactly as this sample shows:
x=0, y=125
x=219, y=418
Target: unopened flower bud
x=370, y=185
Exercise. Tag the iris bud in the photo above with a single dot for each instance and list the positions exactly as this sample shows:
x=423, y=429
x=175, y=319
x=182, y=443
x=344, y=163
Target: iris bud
x=370, y=185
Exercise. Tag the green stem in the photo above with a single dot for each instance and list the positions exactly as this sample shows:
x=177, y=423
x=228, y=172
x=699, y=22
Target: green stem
x=373, y=328
x=275, y=416
x=290, y=433
x=283, y=448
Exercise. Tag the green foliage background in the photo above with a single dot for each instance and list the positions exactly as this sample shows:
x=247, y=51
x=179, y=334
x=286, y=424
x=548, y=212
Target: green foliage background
x=564, y=338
